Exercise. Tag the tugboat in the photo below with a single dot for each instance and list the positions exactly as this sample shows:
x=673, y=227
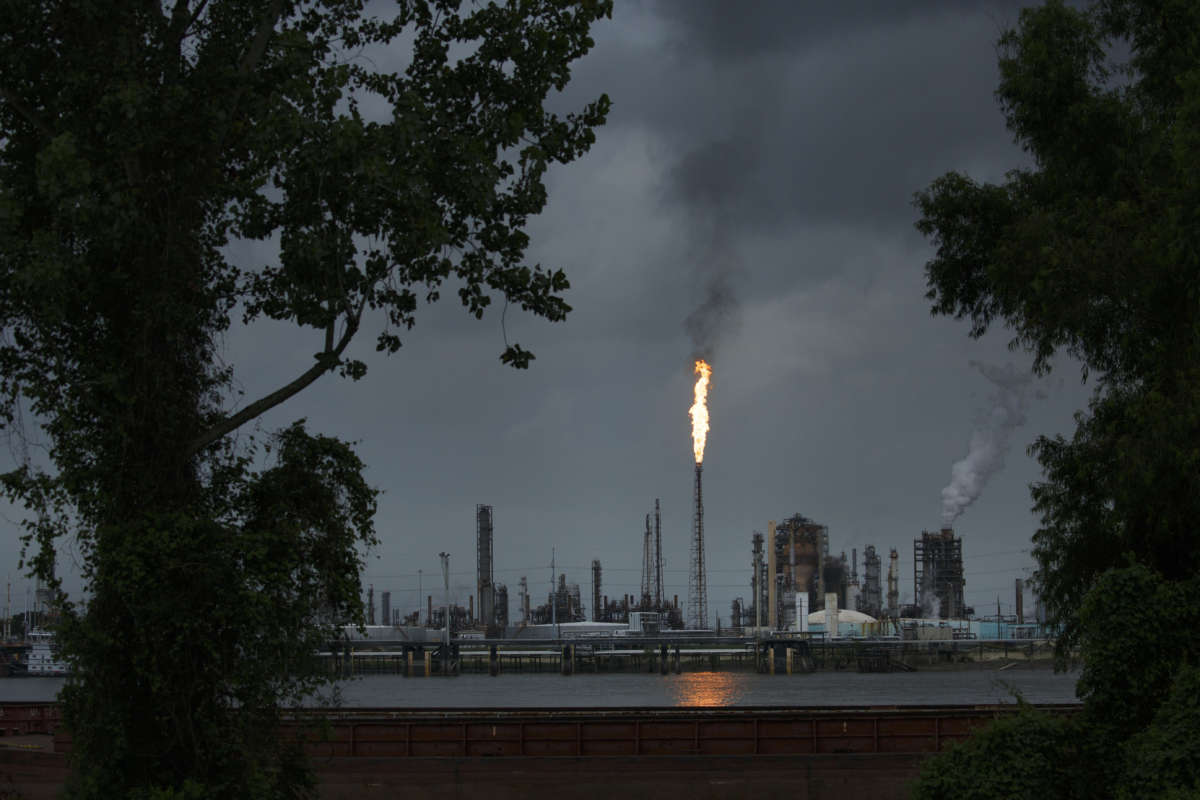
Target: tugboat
x=42, y=660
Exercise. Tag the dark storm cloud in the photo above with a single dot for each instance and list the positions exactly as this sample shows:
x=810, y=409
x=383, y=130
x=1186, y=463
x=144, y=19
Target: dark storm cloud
x=708, y=180
x=825, y=112
x=712, y=175
x=732, y=31
x=750, y=195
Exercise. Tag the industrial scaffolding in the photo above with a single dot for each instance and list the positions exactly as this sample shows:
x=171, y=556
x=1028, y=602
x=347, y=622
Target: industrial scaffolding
x=938, y=573
x=659, y=599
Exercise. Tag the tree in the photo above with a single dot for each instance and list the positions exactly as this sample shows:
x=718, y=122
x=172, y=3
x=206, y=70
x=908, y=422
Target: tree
x=138, y=142
x=1094, y=250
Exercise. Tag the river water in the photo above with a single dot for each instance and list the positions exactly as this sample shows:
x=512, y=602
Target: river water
x=550, y=690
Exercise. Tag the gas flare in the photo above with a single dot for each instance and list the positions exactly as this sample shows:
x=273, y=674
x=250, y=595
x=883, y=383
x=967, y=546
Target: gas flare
x=699, y=410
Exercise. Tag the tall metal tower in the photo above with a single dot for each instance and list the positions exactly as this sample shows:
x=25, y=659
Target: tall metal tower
x=647, y=566
x=697, y=607
x=871, y=600
x=485, y=577
x=658, y=579
x=756, y=581
x=597, y=610
x=893, y=584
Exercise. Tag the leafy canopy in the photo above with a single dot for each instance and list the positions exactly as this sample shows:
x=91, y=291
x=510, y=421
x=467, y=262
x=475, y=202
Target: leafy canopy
x=379, y=156
x=1095, y=250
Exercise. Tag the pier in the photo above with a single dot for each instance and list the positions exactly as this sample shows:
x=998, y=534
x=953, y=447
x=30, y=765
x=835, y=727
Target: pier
x=779, y=655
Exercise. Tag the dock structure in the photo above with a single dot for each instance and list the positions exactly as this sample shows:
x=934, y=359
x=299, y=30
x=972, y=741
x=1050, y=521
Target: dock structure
x=784, y=654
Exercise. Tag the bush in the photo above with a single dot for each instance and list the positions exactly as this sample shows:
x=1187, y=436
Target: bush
x=1030, y=754
x=1164, y=759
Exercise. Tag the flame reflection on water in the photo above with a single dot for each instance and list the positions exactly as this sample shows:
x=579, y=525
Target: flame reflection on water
x=707, y=689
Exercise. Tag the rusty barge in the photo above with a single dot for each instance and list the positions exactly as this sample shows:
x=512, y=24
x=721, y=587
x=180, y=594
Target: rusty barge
x=638, y=752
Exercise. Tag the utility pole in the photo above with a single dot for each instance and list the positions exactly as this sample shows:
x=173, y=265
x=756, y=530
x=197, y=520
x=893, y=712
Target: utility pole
x=445, y=557
x=420, y=597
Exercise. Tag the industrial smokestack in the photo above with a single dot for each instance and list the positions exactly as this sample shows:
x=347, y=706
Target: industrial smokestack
x=756, y=582
x=772, y=567
x=523, y=599
x=1020, y=605
x=893, y=581
x=647, y=566
x=485, y=577
x=697, y=581
x=597, y=606
x=697, y=611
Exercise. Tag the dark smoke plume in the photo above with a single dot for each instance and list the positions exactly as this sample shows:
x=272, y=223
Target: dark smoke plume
x=710, y=183
x=716, y=316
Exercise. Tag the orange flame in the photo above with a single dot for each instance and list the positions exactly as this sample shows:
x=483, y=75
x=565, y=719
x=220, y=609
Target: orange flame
x=699, y=410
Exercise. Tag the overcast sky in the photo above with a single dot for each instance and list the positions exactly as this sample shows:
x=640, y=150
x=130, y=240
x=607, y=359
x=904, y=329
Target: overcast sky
x=768, y=152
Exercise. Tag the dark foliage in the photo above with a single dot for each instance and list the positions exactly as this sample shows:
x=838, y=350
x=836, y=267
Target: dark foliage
x=1095, y=251
x=138, y=142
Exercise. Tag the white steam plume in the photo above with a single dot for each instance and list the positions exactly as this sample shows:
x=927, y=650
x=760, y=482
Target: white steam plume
x=989, y=441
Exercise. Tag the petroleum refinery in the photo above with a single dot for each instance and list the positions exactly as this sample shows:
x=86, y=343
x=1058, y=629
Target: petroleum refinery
x=809, y=609
x=794, y=574
x=797, y=576
x=797, y=584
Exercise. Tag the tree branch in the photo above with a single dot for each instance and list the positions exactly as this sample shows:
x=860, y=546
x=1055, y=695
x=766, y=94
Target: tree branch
x=28, y=113
x=181, y=21
x=329, y=358
x=259, y=46
x=183, y=18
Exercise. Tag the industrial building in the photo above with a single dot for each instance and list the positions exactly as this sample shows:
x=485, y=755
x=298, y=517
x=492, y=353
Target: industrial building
x=938, y=575
x=870, y=599
x=562, y=605
x=793, y=575
x=651, y=599
x=793, y=572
